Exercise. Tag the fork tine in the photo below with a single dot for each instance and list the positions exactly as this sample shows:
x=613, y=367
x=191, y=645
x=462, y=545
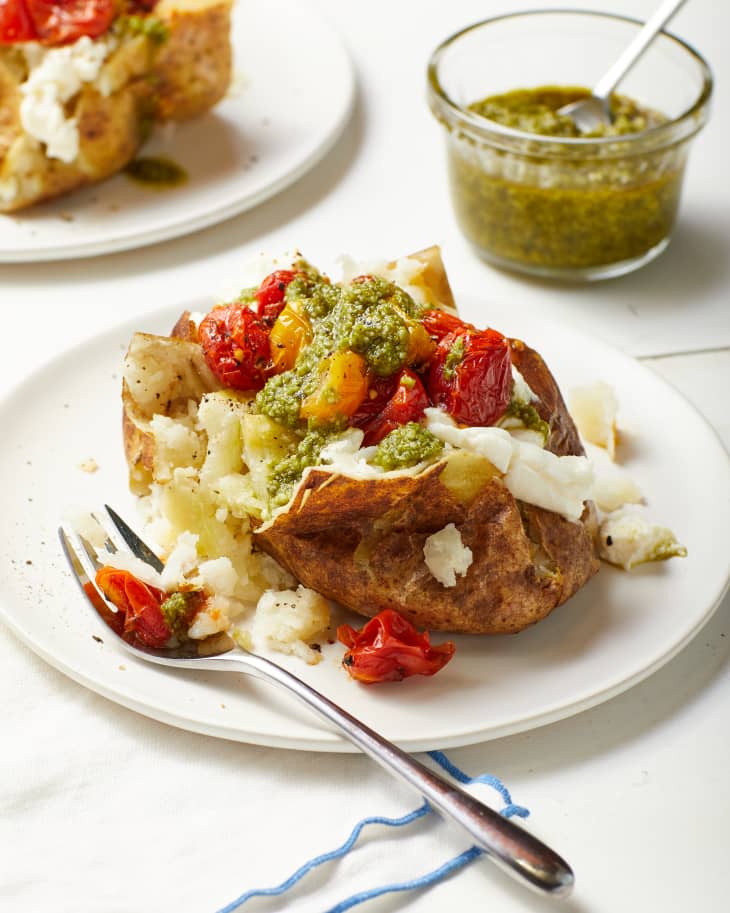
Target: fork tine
x=138, y=548
x=84, y=564
x=113, y=542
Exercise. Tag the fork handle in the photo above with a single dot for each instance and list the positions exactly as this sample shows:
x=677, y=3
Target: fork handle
x=513, y=849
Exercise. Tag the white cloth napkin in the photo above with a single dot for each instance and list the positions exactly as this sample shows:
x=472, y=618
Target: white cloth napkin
x=105, y=811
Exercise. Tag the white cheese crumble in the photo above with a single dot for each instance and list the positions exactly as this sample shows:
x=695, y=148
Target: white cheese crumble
x=446, y=555
x=521, y=390
x=627, y=538
x=55, y=76
x=594, y=409
x=613, y=487
x=558, y=483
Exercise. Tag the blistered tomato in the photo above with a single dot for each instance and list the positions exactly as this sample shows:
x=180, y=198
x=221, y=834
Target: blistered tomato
x=270, y=294
x=140, y=604
x=235, y=343
x=388, y=648
x=15, y=22
x=291, y=332
x=406, y=403
x=342, y=387
x=64, y=21
x=470, y=375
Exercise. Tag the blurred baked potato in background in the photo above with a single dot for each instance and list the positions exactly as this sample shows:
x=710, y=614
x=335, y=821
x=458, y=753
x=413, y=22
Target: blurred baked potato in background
x=76, y=112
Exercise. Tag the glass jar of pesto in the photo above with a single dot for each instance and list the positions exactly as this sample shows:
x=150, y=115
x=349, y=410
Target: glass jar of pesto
x=533, y=195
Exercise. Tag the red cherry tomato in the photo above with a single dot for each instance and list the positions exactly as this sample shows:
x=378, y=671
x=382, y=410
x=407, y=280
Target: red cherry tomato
x=380, y=391
x=471, y=376
x=64, y=21
x=270, y=294
x=235, y=343
x=440, y=323
x=15, y=22
x=407, y=400
x=140, y=603
x=388, y=648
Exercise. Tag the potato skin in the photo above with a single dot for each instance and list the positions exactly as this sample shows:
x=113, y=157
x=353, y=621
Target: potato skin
x=181, y=374
x=361, y=542
x=182, y=78
x=193, y=67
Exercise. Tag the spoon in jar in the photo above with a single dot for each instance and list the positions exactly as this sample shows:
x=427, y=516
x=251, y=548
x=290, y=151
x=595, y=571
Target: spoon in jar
x=595, y=111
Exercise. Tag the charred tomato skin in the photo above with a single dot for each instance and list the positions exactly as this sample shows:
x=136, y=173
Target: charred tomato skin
x=235, y=344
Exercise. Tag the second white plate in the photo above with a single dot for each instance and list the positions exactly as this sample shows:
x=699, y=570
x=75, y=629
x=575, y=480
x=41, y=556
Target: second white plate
x=280, y=119
x=616, y=631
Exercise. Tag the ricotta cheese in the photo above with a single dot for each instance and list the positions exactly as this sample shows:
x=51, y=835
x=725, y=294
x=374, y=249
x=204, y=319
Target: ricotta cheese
x=628, y=538
x=558, y=483
x=55, y=76
x=594, y=408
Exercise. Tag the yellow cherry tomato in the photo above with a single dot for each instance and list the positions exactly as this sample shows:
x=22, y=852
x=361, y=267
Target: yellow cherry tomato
x=291, y=332
x=343, y=385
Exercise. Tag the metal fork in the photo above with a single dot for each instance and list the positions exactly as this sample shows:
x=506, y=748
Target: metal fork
x=512, y=848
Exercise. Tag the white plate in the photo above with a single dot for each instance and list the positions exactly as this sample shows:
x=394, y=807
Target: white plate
x=617, y=630
x=292, y=96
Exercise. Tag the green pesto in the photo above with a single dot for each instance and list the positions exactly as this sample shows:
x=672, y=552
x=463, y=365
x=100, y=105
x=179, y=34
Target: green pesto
x=667, y=548
x=405, y=446
x=287, y=472
x=370, y=318
x=149, y=26
x=282, y=397
x=536, y=111
x=176, y=610
x=247, y=296
x=564, y=211
x=529, y=417
x=317, y=296
x=454, y=358
x=158, y=173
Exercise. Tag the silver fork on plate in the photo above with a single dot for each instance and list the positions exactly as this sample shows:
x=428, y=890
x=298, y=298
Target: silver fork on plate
x=512, y=848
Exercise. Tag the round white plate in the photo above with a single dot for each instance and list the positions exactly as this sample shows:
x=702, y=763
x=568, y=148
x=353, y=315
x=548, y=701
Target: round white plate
x=292, y=95
x=616, y=631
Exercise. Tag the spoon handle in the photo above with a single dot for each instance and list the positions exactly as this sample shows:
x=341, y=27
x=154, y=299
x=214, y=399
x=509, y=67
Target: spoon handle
x=654, y=24
x=513, y=849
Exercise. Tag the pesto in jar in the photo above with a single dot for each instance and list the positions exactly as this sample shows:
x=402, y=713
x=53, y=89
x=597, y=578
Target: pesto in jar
x=536, y=111
x=553, y=207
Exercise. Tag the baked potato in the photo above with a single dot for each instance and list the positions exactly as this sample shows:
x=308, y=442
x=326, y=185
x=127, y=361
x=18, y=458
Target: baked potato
x=60, y=130
x=475, y=527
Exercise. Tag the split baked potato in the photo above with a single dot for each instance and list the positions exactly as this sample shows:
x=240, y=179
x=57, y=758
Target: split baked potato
x=442, y=538
x=168, y=64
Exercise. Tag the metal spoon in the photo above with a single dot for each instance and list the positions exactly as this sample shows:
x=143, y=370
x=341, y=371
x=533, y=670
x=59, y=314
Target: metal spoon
x=590, y=113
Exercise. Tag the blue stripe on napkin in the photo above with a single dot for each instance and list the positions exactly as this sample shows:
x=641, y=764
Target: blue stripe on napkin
x=429, y=878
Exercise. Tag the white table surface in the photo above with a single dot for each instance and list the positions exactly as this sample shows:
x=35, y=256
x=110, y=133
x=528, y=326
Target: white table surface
x=635, y=793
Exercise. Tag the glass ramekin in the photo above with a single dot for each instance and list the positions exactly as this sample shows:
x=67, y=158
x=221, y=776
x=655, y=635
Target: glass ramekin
x=577, y=209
